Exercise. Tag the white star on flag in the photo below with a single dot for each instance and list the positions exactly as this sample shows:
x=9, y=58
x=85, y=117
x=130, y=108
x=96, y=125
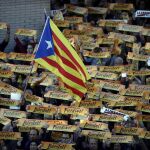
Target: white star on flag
x=49, y=44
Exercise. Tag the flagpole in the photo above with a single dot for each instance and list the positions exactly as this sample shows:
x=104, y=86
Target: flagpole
x=26, y=83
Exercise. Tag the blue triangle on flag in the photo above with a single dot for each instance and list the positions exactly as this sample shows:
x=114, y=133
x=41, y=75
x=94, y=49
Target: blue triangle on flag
x=46, y=45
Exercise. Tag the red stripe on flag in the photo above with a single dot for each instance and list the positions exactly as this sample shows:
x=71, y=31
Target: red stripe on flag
x=64, y=60
x=64, y=72
x=63, y=47
x=75, y=91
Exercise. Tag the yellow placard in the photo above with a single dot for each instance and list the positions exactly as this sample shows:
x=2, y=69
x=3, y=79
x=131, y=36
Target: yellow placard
x=4, y=120
x=20, y=56
x=144, y=108
x=3, y=55
x=121, y=6
x=109, y=23
x=130, y=113
x=73, y=110
x=109, y=118
x=139, y=87
x=108, y=85
x=88, y=46
x=8, y=102
x=86, y=39
x=115, y=68
x=3, y=25
x=123, y=37
x=96, y=134
x=33, y=98
x=130, y=28
x=10, y=135
x=12, y=113
x=121, y=139
x=143, y=118
x=130, y=131
x=26, y=129
x=122, y=104
x=96, y=55
x=74, y=20
x=97, y=10
x=88, y=104
x=130, y=92
x=7, y=89
x=106, y=75
x=146, y=32
x=73, y=32
x=139, y=73
x=107, y=97
x=62, y=23
x=76, y=9
x=56, y=146
x=134, y=99
x=93, y=125
x=58, y=95
x=60, y=127
x=147, y=47
x=42, y=109
x=145, y=135
x=89, y=30
x=26, y=32
x=6, y=74
x=30, y=123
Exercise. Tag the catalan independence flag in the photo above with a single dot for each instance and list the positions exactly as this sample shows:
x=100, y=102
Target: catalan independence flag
x=56, y=54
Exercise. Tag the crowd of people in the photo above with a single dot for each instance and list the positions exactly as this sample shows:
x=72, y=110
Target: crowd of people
x=100, y=53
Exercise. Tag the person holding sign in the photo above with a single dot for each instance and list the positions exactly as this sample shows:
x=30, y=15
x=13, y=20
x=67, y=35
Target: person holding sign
x=5, y=42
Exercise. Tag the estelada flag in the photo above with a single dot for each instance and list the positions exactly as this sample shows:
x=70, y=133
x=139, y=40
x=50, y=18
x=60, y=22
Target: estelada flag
x=56, y=54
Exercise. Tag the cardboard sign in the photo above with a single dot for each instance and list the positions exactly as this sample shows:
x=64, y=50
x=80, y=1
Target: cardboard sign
x=64, y=128
x=12, y=113
x=62, y=23
x=7, y=89
x=109, y=23
x=146, y=32
x=108, y=85
x=96, y=55
x=33, y=98
x=123, y=37
x=134, y=99
x=8, y=102
x=74, y=20
x=144, y=108
x=73, y=32
x=107, y=97
x=86, y=39
x=4, y=120
x=139, y=87
x=106, y=75
x=21, y=56
x=30, y=123
x=138, y=57
x=42, y=109
x=115, y=68
x=121, y=139
x=58, y=95
x=130, y=92
x=130, y=28
x=10, y=135
x=92, y=88
x=3, y=55
x=66, y=110
x=56, y=146
x=3, y=25
x=147, y=47
x=27, y=129
x=97, y=10
x=26, y=32
x=145, y=135
x=139, y=73
x=96, y=134
x=121, y=6
x=130, y=131
x=76, y=9
x=89, y=30
x=6, y=74
x=93, y=125
x=88, y=104
x=88, y=46
x=122, y=104
x=109, y=118
x=143, y=118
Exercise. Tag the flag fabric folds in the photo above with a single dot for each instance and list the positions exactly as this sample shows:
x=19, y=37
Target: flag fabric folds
x=56, y=54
